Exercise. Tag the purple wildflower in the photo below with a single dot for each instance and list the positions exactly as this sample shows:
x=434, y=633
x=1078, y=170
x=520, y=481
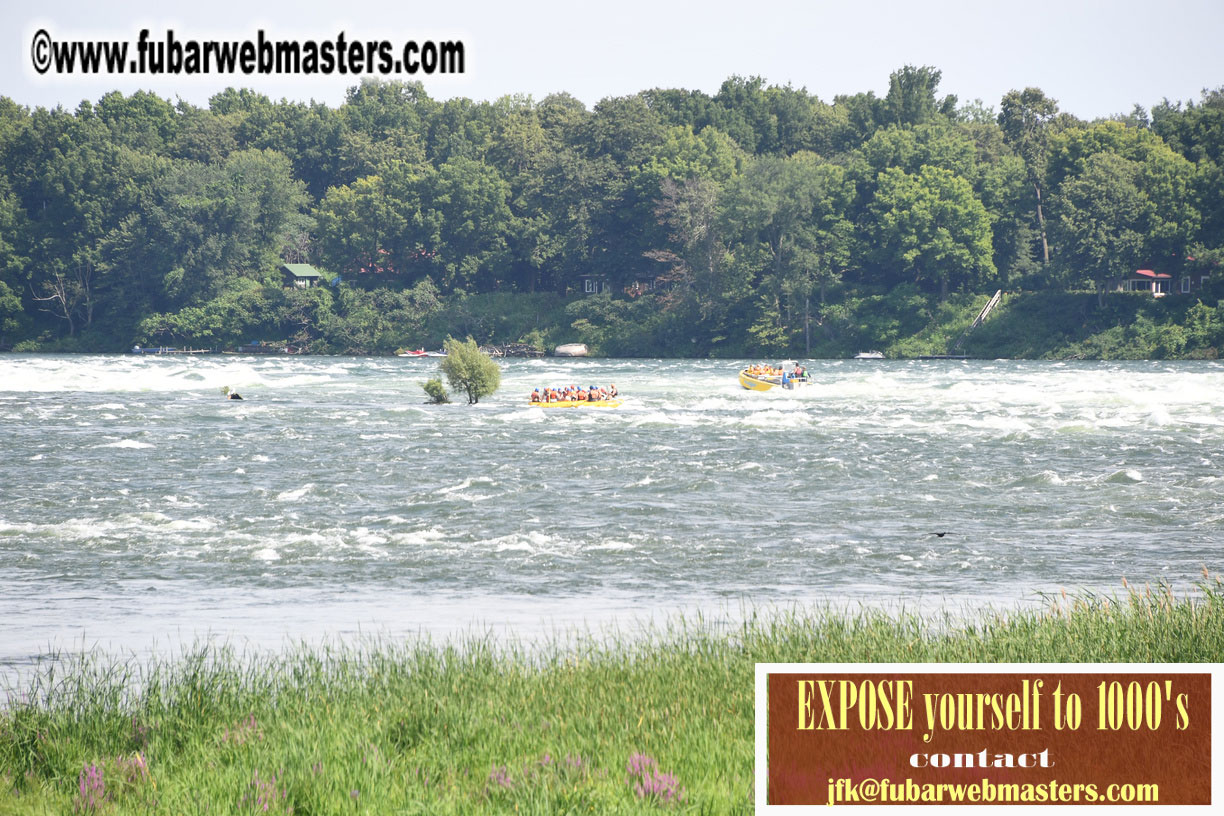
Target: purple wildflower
x=640, y=763
x=648, y=782
x=500, y=776
x=91, y=792
x=133, y=769
x=266, y=796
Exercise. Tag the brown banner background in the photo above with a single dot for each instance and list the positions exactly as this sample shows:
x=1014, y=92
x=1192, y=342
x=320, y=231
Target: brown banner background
x=802, y=762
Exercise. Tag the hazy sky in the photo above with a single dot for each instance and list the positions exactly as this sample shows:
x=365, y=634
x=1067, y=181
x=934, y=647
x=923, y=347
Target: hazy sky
x=1095, y=57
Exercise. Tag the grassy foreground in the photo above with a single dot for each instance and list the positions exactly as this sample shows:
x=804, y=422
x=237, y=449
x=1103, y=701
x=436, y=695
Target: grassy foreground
x=663, y=724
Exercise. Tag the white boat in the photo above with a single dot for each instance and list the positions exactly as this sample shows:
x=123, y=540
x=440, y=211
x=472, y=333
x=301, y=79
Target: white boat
x=571, y=350
x=869, y=355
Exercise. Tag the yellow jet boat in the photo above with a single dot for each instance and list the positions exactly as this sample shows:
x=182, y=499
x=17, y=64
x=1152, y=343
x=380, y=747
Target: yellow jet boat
x=764, y=382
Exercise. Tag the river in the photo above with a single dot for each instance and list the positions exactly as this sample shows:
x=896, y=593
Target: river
x=140, y=509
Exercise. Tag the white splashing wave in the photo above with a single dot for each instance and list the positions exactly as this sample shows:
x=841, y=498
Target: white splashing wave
x=465, y=484
x=294, y=495
x=612, y=545
x=536, y=542
x=418, y=538
x=194, y=524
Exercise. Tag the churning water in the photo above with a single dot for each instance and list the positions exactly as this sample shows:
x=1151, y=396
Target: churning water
x=139, y=507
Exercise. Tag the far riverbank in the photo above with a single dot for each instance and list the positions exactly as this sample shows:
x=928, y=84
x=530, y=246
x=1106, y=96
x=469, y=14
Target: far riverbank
x=903, y=323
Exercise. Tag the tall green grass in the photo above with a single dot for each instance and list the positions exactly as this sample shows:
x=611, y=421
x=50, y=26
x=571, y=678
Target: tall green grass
x=660, y=722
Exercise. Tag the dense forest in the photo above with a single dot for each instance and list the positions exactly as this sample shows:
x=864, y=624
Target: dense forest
x=759, y=220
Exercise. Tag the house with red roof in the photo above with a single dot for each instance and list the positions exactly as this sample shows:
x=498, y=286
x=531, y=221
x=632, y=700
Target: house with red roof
x=1193, y=279
x=1145, y=280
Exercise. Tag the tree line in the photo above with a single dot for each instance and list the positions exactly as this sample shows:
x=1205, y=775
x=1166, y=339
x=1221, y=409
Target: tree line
x=741, y=220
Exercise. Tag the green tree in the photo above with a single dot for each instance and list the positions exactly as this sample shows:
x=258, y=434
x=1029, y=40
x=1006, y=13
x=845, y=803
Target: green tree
x=203, y=135
x=911, y=96
x=935, y=145
x=381, y=109
x=1164, y=177
x=741, y=109
x=470, y=370
x=209, y=226
x=357, y=224
x=1209, y=188
x=703, y=286
x=12, y=265
x=1197, y=130
x=931, y=227
x=310, y=135
x=465, y=217
x=523, y=152
x=142, y=121
x=1101, y=218
x=862, y=114
x=790, y=214
x=1026, y=118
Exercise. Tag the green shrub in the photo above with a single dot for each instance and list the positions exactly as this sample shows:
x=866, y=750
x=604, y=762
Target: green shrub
x=436, y=391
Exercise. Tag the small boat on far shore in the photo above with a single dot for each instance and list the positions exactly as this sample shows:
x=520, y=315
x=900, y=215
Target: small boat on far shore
x=420, y=353
x=571, y=350
x=169, y=350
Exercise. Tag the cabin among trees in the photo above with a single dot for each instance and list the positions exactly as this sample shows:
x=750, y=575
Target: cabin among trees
x=1161, y=283
x=594, y=284
x=300, y=276
x=1145, y=280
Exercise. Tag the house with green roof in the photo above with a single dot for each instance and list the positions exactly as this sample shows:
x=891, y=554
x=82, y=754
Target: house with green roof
x=300, y=275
